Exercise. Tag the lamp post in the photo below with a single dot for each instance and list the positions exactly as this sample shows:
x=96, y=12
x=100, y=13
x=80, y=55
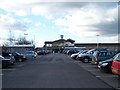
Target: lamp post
x=34, y=41
x=97, y=41
x=25, y=34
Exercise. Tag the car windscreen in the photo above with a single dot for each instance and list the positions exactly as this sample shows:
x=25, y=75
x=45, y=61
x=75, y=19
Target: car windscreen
x=117, y=57
x=95, y=53
x=90, y=52
x=29, y=52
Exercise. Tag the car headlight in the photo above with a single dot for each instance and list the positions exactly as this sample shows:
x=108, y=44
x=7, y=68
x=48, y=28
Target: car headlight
x=104, y=64
x=79, y=55
x=100, y=62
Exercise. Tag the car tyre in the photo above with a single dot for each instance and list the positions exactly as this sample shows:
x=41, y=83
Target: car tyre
x=77, y=58
x=86, y=60
x=20, y=60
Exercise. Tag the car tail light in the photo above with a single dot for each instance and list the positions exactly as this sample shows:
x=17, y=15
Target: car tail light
x=96, y=58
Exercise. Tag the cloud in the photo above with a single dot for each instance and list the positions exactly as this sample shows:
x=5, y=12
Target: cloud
x=21, y=12
x=7, y=22
x=78, y=18
x=90, y=19
x=41, y=11
x=38, y=24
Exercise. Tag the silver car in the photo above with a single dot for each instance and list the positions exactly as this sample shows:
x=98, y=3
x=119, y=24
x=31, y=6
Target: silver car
x=30, y=54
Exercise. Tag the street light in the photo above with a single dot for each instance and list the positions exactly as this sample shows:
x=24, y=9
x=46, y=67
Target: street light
x=97, y=41
x=25, y=35
x=34, y=40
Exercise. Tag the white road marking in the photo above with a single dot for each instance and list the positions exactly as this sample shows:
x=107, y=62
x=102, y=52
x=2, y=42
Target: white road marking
x=20, y=65
x=107, y=76
x=1, y=74
x=89, y=66
x=9, y=69
x=93, y=70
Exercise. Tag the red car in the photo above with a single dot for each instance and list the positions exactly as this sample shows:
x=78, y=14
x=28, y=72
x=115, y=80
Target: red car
x=116, y=65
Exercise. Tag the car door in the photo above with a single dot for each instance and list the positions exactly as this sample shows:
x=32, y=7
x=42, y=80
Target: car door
x=102, y=55
x=116, y=64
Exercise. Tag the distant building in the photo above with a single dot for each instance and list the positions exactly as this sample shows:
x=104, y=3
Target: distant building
x=20, y=48
x=60, y=42
x=111, y=46
x=58, y=45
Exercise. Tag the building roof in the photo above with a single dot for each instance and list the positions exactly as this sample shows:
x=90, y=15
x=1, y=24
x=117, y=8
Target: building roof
x=48, y=42
x=21, y=46
x=60, y=40
x=70, y=40
x=96, y=43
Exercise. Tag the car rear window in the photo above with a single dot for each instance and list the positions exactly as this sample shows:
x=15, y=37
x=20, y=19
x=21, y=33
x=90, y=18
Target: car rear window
x=95, y=53
x=30, y=52
x=117, y=57
x=103, y=53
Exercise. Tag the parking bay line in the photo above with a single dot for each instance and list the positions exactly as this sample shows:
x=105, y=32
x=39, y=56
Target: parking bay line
x=21, y=65
x=9, y=69
x=88, y=66
x=94, y=70
x=1, y=74
x=106, y=76
x=118, y=88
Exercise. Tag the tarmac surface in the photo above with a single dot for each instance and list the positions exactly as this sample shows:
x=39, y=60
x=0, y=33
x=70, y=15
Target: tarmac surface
x=55, y=71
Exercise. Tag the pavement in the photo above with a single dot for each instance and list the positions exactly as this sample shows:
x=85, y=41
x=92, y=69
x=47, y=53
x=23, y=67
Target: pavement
x=54, y=71
x=109, y=78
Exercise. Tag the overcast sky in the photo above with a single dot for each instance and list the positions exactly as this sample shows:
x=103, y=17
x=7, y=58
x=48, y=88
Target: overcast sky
x=46, y=21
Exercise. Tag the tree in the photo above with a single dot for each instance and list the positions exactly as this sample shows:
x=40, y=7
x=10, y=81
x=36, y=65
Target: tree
x=4, y=49
x=23, y=41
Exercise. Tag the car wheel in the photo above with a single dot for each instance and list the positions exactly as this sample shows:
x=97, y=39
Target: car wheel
x=77, y=58
x=20, y=60
x=4, y=65
x=86, y=60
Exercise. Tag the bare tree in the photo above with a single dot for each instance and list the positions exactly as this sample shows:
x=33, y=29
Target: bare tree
x=23, y=41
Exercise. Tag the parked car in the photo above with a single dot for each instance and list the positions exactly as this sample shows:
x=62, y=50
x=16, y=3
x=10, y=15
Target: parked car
x=74, y=56
x=65, y=51
x=19, y=57
x=102, y=56
x=86, y=57
x=30, y=54
x=116, y=65
x=106, y=65
x=72, y=51
x=41, y=52
x=6, y=61
x=0, y=62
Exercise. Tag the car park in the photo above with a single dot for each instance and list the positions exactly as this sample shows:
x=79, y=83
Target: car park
x=102, y=55
x=116, y=65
